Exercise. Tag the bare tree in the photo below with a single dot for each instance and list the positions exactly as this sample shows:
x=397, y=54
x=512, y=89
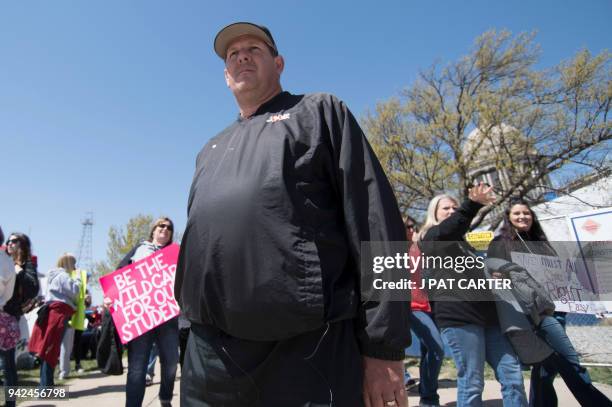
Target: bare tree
x=493, y=116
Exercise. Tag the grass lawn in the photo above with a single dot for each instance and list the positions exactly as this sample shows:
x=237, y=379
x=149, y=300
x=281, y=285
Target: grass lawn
x=598, y=374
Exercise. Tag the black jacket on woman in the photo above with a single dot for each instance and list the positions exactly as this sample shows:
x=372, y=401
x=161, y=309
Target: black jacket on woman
x=454, y=307
x=26, y=289
x=501, y=247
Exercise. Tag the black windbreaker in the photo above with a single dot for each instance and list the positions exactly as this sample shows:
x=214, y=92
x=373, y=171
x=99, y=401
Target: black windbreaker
x=278, y=207
x=26, y=288
x=452, y=307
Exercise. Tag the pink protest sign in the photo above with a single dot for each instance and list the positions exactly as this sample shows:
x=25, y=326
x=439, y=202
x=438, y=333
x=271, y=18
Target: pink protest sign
x=143, y=293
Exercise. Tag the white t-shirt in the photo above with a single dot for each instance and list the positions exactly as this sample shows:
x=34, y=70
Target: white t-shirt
x=7, y=278
x=144, y=250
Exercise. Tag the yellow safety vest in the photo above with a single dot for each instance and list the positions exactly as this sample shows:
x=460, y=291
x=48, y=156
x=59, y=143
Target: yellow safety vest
x=77, y=321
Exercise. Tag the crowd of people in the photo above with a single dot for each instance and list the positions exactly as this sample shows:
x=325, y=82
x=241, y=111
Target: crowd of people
x=475, y=329
x=268, y=274
x=60, y=310
x=61, y=314
x=471, y=329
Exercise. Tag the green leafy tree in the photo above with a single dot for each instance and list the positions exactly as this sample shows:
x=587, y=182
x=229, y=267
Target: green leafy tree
x=492, y=112
x=121, y=240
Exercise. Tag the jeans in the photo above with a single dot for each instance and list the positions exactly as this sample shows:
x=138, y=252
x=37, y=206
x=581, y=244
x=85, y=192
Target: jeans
x=564, y=361
x=432, y=355
x=139, y=349
x=10, y=370
x=471, y=346
x=46, y=374
x=46, y=371
x=152, y=358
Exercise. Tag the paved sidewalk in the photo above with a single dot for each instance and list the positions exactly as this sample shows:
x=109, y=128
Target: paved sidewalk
x=98, y=390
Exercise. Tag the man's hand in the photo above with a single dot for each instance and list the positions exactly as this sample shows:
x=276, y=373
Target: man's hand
x=383, y=383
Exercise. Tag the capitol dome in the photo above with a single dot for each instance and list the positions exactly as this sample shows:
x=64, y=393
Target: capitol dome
x=498, y=153
x=484, y=145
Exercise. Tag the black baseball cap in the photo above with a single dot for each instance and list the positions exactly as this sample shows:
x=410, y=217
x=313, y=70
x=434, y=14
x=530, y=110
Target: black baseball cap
x=230, y=32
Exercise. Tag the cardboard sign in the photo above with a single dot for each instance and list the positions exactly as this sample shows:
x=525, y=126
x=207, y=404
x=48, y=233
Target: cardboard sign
x=559, y=277
x=143, y=293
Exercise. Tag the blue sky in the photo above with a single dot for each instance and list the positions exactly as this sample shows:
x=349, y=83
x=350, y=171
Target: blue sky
x=104, y=105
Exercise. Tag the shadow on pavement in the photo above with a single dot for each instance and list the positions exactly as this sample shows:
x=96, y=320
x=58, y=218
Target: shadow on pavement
x=98, y=390
x=93, y=375
x=485, y=403
x=447, y=383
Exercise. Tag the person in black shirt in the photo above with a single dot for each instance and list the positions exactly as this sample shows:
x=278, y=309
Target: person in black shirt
x=268, y=272
x=467, y=318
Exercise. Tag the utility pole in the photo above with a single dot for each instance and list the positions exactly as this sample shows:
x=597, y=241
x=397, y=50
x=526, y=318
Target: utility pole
x=84, y=257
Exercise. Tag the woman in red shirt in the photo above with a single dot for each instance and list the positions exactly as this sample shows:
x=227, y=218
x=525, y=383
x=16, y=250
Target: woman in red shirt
x=422, y=324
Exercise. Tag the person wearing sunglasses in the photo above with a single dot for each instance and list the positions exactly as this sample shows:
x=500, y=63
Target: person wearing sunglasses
x=10, y=334
x=27, y=286
x=424, y=327
x=23, y=298
x=165, y=336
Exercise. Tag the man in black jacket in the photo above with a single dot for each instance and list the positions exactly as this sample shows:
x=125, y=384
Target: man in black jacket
x=268, y=271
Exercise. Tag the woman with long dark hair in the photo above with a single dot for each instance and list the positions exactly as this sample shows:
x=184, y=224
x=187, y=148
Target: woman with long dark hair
x=24, y=298
x=25, y=289
x=521, y=232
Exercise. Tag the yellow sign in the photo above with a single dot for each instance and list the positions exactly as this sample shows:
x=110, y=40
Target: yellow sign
x=479, y=240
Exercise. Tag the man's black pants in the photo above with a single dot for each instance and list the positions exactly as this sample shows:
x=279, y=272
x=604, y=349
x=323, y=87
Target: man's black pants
x=318, y=368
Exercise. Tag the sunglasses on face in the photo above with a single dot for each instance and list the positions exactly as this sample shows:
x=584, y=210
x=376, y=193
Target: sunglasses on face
x=165, y=226
x=12, y=241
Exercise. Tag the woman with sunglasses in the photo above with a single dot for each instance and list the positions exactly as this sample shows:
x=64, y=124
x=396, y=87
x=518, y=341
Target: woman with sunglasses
x=9, y=335
x=423, y=326
x=24, y=297
x=25, y=289
x=521, y=232
x=165, y=336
